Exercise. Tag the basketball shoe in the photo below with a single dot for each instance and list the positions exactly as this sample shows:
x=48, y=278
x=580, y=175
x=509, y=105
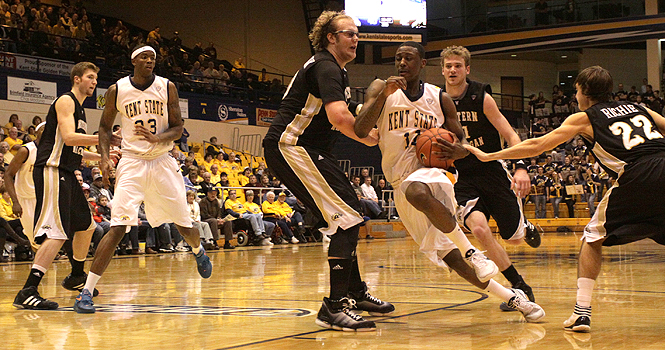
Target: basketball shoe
x=76, y=284
x=337, y=315
x=526, y=289
x=203, y=263
x=84, y=304
x=366, y=302
x=485, y=268
x=29, y=298
x=578, y=323
x=532, y=312
x=531, y=234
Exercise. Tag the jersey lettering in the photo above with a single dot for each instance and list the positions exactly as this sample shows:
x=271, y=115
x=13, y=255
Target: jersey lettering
x=626, y=131
x=468, y=116
x=621, y=110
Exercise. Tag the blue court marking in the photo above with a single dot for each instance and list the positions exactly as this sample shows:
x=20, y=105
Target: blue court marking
x=382, y=319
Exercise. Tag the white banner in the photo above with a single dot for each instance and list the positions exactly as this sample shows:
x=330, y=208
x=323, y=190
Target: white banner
x=27, y=63
x=29, y=90
x=101, y=101
x=385, y=37
x=55, y=67
x=184, y=108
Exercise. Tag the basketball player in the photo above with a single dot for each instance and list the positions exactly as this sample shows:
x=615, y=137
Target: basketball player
x=61, y=210
x=146, y=172
x=402, y=107
x=298, y=150
x=485, y=189
x=627, y=140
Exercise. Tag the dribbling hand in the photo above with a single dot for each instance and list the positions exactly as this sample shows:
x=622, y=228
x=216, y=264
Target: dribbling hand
x=449, y=150
x=17, y=209
x=145, y=134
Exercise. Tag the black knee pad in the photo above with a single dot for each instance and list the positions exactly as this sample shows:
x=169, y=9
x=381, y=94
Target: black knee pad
x=343, y=243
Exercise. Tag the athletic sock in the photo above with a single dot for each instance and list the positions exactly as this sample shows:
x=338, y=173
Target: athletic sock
x=77, y=267
x=499, y=291
x=584, y=291
x=35, y=277
x=340, y=272
x=196, y=250
x=91, y=282
x=355, y=281
x=459, y=238
x=512, y=275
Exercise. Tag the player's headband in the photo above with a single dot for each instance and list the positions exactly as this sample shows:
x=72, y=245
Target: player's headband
x=143, y=49
x=41, y=125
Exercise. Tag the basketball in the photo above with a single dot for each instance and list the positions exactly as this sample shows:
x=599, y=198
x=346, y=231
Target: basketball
x=424, y=148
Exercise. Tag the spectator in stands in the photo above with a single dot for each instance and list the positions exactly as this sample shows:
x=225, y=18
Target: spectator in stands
x=368, y=190
x=182, y=143
x=260, y=169
x=154, y=38
x=189, y=161
x=30, y=135
x=223, y=180
x=385, y=194
x=13, y=140
x=212, y=213
x=370, y=208
x=555, y=192
x=550, y=165
x=254, y=208
x=207, y=161
x=97, y=189
x=569, y=196
x=213, y=148
x=539, y=192
x=206, y=185
x=7, y=212
x=580, y=148
x=293, y=218
x=211, y=51
x=207, y=239
x=590, y=182
x=243, y=178
x=538, y=129
x=234, y=207
x=191, y=180
x=215, y=174
x=238, y=65
x=272, y=213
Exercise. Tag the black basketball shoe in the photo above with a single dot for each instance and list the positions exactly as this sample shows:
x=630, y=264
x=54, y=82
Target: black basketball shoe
x=76, y=283
x=531, y=234
x=29, y=298
x=366, y=302
x=337, y=315
x=578, y=323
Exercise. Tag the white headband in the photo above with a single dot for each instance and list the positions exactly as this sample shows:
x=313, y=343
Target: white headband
x=41, y=125
x=143, y=49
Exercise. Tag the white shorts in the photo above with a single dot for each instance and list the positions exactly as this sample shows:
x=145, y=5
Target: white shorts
x=429, y=238
x=157, y=182
x=28, y=219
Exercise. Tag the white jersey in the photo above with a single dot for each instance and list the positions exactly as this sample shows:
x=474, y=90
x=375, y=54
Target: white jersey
x=400, y=123
x=24, y=184
x=148, y=107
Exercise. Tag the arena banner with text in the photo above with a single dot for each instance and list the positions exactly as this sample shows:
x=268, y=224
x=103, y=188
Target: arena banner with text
x=264, y=116
x=219, y=111
x=100, y=99
x=35, y=64
x=31, y=90
x=184, y=108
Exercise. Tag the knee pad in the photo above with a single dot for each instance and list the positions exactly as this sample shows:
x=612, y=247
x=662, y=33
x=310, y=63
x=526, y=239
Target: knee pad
x=343, y=243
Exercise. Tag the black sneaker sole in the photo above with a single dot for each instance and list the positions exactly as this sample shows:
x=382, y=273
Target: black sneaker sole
x=324, y=324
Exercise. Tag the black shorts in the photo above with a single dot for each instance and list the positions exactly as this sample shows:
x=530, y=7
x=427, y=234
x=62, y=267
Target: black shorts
x=633, y=208
x=488, y=191
x=317, y=180
x=61, y=207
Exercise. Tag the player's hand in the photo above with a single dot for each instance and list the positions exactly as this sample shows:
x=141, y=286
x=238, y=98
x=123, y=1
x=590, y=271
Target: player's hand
x=521, y=183
x=116, y=138
x=17, y=209
x=482, y=156
x=449, y=150
x=372, y=138
x=106, y=166
x=115, y=155
x=145, y=134
x=393, y=84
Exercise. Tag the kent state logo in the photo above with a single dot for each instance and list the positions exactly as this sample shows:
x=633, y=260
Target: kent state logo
x=46, y=227
x=223, y=112
x=336, y=216
x=124, y=218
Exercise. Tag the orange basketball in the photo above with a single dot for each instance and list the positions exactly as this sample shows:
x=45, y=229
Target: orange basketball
x=424, y=148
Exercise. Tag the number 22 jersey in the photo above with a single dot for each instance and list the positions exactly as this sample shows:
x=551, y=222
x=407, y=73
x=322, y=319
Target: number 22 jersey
x=623, y=133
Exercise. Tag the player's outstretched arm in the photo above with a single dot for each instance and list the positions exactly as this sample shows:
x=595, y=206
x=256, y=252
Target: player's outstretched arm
x=376, y=96
x=577, y=123
x=65, y=109
x=340, y=118
x=106, y=130
x=10, y=175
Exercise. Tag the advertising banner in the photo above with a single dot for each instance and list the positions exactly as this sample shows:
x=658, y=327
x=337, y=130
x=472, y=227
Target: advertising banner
x=100, y=100
x=264, y=116
x=30, y=90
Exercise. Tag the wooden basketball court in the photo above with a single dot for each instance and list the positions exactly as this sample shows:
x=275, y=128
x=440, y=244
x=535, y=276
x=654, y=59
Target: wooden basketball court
x=262, y=298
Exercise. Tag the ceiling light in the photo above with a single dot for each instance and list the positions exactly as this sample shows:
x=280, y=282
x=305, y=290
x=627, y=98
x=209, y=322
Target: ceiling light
x=564, y=56
x=513, y=55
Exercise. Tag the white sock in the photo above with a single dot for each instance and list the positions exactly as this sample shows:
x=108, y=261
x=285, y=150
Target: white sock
x=91, y=282
x=196, y=250
x=499, y=291
x=459, y=238
x=584, y=291
x=39, y=267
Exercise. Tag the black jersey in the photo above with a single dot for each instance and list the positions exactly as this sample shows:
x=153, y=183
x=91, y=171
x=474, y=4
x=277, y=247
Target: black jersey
x=52, y=150
x=301, y=118
x=479, y=130
x=623, y=133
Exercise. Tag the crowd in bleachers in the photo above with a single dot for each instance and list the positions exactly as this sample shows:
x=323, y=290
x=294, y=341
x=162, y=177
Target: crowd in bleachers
x=69, y=32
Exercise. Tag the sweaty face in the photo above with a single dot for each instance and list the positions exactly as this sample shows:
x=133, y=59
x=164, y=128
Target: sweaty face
x=408, y=64
x=455, y=70
x=345, y=42
x=144, y=62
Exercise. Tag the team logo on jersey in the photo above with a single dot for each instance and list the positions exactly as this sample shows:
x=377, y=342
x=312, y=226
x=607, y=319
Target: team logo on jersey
x=201, y=310
x=336, y=216
x=46, y=227
x=429, y=101
x=473, y=97
x=223, y=112
x=159, y=88
x=124, y=218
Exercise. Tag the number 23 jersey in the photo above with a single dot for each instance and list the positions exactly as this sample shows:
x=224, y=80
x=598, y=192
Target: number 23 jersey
x=402, y=119
x=147, y=107
x=623, y=133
